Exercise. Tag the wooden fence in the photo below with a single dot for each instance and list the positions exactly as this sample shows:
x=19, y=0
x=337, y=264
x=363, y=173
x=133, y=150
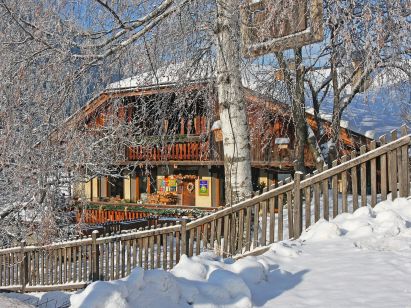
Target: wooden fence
x=366, y=178
x=120, y=212
x=94, y=216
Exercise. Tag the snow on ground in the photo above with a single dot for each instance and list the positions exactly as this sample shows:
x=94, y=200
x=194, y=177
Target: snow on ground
x=356, y=260
x=9, y=302
x=53, y=299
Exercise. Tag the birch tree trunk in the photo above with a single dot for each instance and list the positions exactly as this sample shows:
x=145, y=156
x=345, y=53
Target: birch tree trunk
x=232, y=108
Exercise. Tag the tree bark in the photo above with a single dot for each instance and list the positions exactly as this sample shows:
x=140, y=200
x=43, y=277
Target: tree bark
x=232, y=107
x=298, y=109
x=295, y=90
x=336, y=117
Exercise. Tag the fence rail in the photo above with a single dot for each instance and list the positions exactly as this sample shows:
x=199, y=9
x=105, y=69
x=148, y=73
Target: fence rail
x=278, y=213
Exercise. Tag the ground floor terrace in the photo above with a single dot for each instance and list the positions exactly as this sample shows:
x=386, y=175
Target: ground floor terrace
x=171, y=185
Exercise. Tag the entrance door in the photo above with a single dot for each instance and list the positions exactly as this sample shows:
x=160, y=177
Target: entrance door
x=189, y=193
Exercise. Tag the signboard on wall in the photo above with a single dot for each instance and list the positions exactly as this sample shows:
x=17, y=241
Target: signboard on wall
x=172, y=183
x=203, y=188
x=167, y=184
x=275, y=25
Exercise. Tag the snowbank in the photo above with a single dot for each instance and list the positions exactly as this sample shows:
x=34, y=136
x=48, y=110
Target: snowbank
x=209, y=281
x=203, y=279
x=359, y=260
x=385, y=227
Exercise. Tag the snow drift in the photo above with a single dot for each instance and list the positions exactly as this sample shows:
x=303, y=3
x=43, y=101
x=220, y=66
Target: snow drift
x=290, y=273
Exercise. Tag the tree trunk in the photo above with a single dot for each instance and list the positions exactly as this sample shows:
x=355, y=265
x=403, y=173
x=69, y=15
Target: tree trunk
x=298, y=109
x=335, y=123
x=232, y=107
x=317, y=120
x=335, y=132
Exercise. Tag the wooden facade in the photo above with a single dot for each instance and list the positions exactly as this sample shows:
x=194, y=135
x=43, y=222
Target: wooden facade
x=184, y=150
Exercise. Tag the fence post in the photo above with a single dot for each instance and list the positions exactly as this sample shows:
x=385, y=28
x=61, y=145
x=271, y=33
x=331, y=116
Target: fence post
x=23, y=267
x=94, y=255
x=405, y=187
x=393, y=168
x=183, y=237
x=298, y=218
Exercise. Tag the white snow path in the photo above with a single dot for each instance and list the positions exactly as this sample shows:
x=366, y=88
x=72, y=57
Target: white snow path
x=9, y=302
x=338, y=274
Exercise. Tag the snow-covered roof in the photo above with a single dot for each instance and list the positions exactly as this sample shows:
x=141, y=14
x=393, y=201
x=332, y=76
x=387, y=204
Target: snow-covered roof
x=169, y=74
x=374, y=110
x=184, y=72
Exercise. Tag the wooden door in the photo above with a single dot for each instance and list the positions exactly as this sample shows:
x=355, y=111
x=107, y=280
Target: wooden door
x=189, y=193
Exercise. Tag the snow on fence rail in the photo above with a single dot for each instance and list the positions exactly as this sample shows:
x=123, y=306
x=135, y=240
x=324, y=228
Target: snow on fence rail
x=282, y=211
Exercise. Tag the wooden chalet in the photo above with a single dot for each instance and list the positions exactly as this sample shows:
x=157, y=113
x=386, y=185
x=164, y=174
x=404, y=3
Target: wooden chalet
x=185, y=166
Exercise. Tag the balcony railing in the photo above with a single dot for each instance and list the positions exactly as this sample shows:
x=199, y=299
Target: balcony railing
x=202, y=151
x=193, y=150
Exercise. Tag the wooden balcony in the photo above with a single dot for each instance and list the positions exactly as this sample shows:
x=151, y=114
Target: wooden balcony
x=180, y=151
x=195, y=151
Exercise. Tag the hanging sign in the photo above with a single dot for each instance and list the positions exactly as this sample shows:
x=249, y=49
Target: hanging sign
x=203, y=188
x=275, y=25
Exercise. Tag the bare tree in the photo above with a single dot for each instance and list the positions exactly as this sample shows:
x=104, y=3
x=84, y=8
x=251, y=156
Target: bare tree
x=52, y=65
x=59, y=54
x=56, y=55
x=362, y=40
